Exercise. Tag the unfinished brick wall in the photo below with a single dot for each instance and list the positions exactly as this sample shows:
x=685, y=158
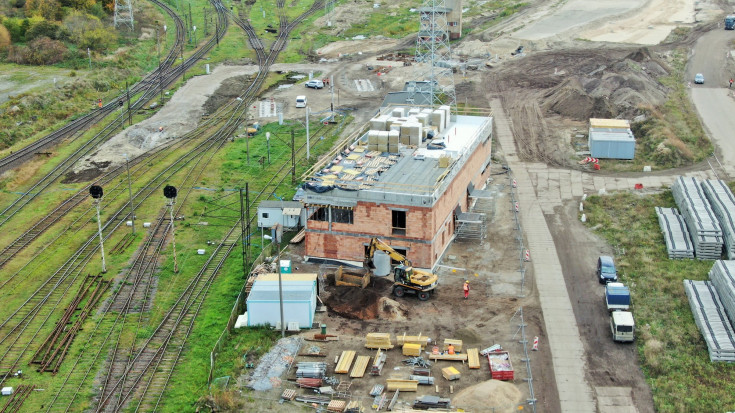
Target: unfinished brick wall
x=428, y=230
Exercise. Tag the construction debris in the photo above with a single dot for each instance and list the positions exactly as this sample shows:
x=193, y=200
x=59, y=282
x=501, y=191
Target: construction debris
x=378, y=341
x=417, y=362
x=313, y=399
x=494, y=347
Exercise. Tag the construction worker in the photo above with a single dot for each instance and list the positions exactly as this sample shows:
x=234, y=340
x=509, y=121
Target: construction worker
x=435, y=350
x=466, y=288
x=731, y=82
x=450, y=349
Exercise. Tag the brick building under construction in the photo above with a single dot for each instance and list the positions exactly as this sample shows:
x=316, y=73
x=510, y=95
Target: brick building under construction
x=407, y=178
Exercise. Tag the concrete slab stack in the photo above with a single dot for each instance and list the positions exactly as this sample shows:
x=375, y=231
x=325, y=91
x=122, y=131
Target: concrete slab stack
x=711, y=320
x=723, y=205
x=722, y=276
x=699, y=217
x=678, y=241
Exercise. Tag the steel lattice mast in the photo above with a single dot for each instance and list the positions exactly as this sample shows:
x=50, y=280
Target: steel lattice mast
x=433, y=74
x=124, y=13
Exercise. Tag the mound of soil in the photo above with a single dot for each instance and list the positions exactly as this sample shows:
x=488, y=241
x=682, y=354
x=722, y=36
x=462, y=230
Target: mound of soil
x=492, y=394
x=369, y=303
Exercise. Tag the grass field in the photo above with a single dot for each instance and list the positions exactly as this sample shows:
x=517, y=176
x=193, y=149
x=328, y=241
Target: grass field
x=673, y=353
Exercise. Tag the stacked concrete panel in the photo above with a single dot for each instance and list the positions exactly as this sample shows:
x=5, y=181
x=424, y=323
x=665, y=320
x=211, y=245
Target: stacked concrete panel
x=699, y=217
x=723, y=205
x=678, y=242
x=722, y=276
x=711, y=320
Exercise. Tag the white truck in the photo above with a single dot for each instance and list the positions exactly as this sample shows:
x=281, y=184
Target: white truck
x=622, y=326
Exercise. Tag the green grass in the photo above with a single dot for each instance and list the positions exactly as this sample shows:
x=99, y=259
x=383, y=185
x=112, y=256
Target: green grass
x=672, y=352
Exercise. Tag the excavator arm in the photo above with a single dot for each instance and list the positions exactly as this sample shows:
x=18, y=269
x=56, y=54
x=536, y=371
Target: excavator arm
x=378, y=245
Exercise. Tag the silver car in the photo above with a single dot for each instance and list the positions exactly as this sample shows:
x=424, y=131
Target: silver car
x=699, y=79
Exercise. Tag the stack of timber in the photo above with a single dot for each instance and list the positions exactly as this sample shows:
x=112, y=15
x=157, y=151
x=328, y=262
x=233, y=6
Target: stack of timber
x=678, y=241
x=699, y=217
x=316, y=370
x=345, y=361
x=402, y=385
x=448, y=357
x=353, y=407
x=410, y=349
x=450, y=373
x=378, y=363
x=473, y=358
x=723, y=204
x=456, y=343
x=722, y=276
x=711, y=320
x=360, y=366
x=378, y=341
x=419, y=339
x=288, y=394
x=431, y=402
x=313, y=399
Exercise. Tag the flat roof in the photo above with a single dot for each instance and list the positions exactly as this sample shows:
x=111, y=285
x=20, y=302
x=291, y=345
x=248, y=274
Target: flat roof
x=411, y=176
x=273, y=296
x=611, y=135
x=286, y=277
x=279, y=204
x=623, y=317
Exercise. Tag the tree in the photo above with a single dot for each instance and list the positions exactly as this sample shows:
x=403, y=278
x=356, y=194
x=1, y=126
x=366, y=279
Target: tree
x=48, y=9
x=4, y=37
x=45, y=28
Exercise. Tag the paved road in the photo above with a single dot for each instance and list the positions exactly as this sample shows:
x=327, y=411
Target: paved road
x=714, y=101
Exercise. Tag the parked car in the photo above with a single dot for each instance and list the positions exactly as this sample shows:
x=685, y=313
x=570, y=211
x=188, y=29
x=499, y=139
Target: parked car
x=699, y=78
x=606, y=270
x=315, y=83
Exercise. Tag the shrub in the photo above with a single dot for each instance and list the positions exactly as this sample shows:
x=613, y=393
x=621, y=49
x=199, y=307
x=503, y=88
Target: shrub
x=4, y=37
x=48, y=9
x=41, y=51
x=98, y=39
x=45, y=28
x=86, y=31
x=15, y=28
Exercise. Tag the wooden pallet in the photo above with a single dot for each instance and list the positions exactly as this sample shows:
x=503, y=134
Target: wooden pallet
x=473, y=358
x=288, y=394
x=360, y=366
x=402, y=385
x=448, y=357
x=337, y=406
x=345, y=361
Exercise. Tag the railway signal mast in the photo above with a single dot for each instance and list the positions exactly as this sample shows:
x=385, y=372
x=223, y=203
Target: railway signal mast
x=96, y=192
x=170, y=193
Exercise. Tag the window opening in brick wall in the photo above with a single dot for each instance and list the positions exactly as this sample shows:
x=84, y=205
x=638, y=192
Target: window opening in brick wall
x=398, y=219
x=342, y=216
x=321, y=214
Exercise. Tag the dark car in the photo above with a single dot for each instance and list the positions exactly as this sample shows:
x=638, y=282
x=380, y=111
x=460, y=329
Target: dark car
x=606, y=270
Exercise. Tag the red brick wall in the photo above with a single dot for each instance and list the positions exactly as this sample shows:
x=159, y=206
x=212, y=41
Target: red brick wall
x=425, y=224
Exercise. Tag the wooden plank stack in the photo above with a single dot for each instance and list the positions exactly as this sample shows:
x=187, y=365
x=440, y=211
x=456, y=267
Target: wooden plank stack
x=378, y=341
x=473, y=358
x=402, y=385
x=457, y=344
x=345, y=361
x=378, y=363
x=419, y=339
x=360, y=366
x=450, y=373
x=410, y=349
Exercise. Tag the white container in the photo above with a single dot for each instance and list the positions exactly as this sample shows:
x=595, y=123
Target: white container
x=129, y=223
x=201, y=251
x=7, y=391
x=146, y=225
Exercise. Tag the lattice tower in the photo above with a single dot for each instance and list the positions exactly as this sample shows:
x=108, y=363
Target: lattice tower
x=124, y=13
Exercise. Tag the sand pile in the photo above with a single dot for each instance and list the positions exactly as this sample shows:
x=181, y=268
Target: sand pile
x=489, y=395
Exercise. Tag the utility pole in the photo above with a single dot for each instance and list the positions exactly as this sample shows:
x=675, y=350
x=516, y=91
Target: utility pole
x=242, y=235
x=96, y=192
x=130, y=194
x=308, y=150
x=268, y=145
x=206, y=32
x=182, y=60
x=331, y=89
x=247, y=214
x=89, y=55
x=127, y=93
x=293, y=159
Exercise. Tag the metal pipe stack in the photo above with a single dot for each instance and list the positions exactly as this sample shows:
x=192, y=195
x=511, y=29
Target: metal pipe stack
x=678, y=241
x=723, y=205
x=701, y=221
x=422, y=379
x=313, y=370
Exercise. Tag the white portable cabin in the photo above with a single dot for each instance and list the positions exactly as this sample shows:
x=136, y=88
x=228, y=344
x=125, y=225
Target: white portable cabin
x=299, y=300
x=289, y=214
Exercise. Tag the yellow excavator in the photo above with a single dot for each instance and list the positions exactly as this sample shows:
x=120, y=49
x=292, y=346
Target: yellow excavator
x=406, y=279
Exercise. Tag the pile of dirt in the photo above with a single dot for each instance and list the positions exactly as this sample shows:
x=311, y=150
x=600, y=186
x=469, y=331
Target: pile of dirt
x=372, y=302
x=492, y=394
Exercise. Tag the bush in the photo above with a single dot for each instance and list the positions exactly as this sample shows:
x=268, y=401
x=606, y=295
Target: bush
x=48, y=9
x=41, y=51
x=16, y=28
x=45, y=28
x=87, y=31
x=99, y=39
x=4, y=37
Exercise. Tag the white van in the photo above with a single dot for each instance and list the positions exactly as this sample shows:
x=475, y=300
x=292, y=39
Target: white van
x=301, y=101
x=622, y=326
